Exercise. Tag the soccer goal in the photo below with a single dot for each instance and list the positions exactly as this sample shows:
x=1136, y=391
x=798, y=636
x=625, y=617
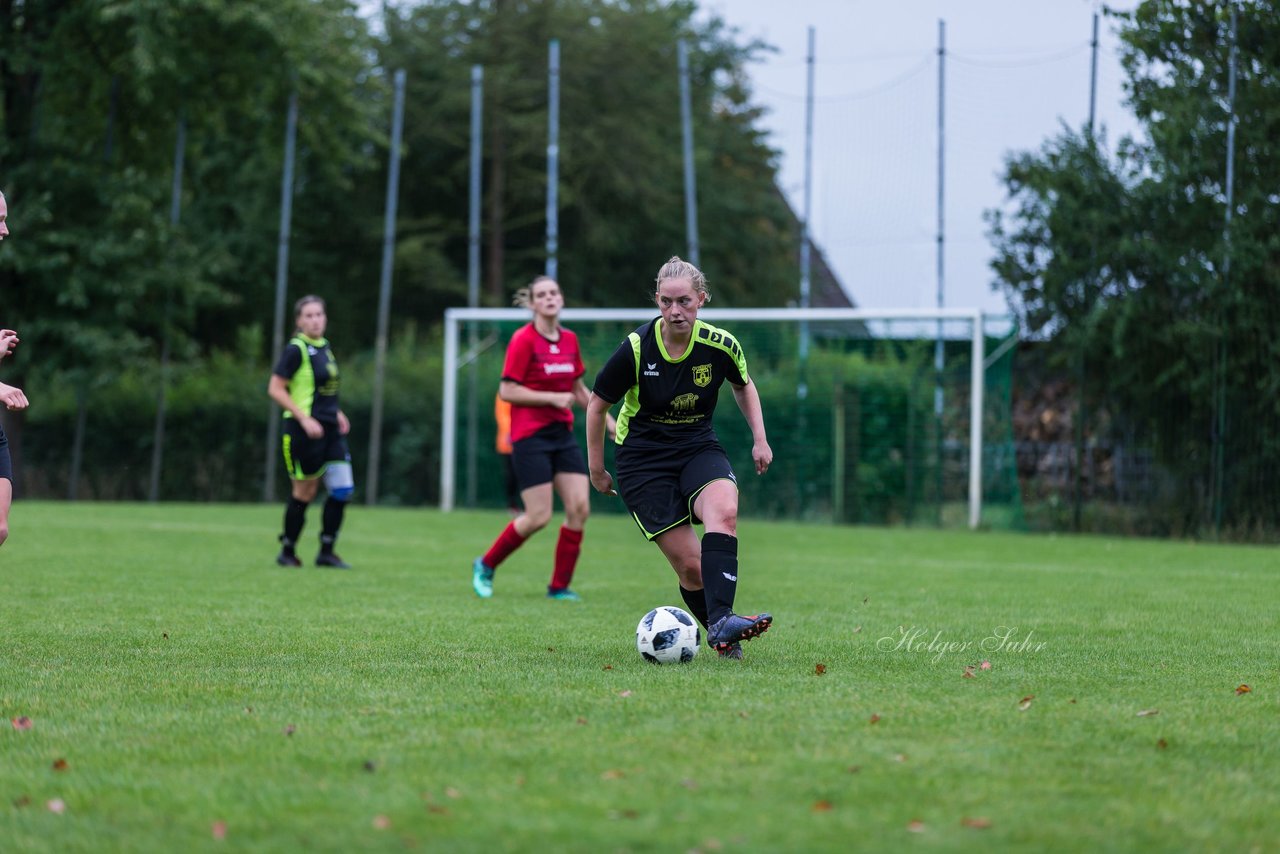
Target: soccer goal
x=865, y=425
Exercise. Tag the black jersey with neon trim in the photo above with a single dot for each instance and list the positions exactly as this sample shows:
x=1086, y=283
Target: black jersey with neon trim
x=313, y=382
x=666, y=400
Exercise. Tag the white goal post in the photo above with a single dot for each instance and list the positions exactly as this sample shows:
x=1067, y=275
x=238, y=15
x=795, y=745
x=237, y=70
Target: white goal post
x=454, y=359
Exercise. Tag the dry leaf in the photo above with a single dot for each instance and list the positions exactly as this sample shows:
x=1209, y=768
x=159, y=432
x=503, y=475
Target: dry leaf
x=437, y=809
x=854, y=769
x=900, y=757
x=916, y=826
x=1025, y=702
x=219, y=830
x=1073, y=701
x=612, y=774
x=57, y=805
x=857, y=630
x=689, y=784
x=369, y=766
x=986, y=665
x=22, y=722
x=381, y=822
x=551, y=649
x=608, y=667
x=978, y=822
x=164, y=635
x=451, y=792
x=822, y=806
x=1162, y=744
x=1146, y=713
x=290, y=729
x=820, y=669
x=624, y=693
x=23, y=801
x=582, y=722
x=60, y=764
x=743, y=715
x=968, y=672
x=1243, y=689
x=874, y=718
x=248, y=710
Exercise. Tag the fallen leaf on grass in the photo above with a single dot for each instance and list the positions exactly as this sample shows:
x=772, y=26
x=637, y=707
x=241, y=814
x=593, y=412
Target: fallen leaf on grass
x=874, y=719
x=370, y=766
x=60, y=764
x=551, y=649
x=1162, y=744
x=1025, y=702
x=743, y=715
x=23, y=801
x=916, y=826
x=451, y=792
x=290, y=729
x=689, y=784
x=820, y=669
x=248, y=710
x=164, y=635
x=1243, y=689
x=854, y=769
x=978, y=822
x=612, y=774
x=22, y=722
x=900, y=757
x=607, y=667
x=57, y=805
x=381, y=822
x=968, y=672
x=624, y=693
x=822, y=806
x=219, y=830
x=1146, y=713
x=617, y=814
x=857, y=630
x=581, y=722
x=437, y=809
x=986, y=665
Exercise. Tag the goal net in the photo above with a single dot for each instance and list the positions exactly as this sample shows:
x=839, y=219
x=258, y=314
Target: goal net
x=874, y=417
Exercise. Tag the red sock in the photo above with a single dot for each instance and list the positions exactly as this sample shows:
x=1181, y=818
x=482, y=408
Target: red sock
x=568, y=548
x=508, y=541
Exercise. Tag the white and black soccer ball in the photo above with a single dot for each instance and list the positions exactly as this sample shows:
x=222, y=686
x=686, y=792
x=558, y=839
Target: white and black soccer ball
x=668, y=635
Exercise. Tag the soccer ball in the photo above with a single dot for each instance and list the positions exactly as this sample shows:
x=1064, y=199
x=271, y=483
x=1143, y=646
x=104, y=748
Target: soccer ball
x=668, y=635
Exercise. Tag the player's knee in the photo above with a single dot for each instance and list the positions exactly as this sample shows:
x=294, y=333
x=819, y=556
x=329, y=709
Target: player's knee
x=576, y=514
x=339, y=481
x=536, y=518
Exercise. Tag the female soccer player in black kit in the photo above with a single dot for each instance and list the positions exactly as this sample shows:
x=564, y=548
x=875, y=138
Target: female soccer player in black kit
x=11, y=398
x=304, y=383
x=672, y=471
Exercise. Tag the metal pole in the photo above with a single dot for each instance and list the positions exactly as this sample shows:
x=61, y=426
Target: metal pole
x=1220, y=381
x=806, y=236
x=938, y=358
x=473, y=277
x=175, y=210
x=282, y=281
x=553, y=154
x=976, y=378
x=384, y=291
x=1093, y=73
x=690, y=179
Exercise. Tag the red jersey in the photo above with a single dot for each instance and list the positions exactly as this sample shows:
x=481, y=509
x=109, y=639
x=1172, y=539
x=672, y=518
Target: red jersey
x=541, y=364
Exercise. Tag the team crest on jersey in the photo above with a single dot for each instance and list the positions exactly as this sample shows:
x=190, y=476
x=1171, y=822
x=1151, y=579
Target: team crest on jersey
x=701, y=375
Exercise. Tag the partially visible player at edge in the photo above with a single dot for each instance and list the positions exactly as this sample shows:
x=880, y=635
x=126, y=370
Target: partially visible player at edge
x=542, y=379
x=672, y=471
x=304, y=383
x=12, y=398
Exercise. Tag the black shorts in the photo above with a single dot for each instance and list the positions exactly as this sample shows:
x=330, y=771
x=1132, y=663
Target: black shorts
x=537, y=459
x=306, y=458
x=6, y=464
x=659, y=486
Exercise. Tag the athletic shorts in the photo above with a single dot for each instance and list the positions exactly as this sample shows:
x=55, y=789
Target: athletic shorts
x=306, y=458
x=659, y=486
x=6, y=464
x=537, y=459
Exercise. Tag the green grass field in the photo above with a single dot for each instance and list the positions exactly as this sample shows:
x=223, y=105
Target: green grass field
x=185, y=694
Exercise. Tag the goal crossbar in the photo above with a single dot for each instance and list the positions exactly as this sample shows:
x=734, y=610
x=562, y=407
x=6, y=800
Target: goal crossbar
x=454, y=318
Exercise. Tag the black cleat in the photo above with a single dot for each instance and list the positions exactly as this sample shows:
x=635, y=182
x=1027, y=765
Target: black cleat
x=730, y=629
x=331, y=560
x=284, y=559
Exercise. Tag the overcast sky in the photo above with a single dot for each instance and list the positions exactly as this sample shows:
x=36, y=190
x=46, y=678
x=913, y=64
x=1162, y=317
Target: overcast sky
x=1014, y=71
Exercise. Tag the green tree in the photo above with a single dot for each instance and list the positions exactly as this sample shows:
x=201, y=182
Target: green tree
x=1128, y=259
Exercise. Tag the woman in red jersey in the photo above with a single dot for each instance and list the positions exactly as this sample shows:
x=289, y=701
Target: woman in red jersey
x=542, y=379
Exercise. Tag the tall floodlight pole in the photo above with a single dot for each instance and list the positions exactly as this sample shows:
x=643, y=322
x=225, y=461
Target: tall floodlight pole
x=938, y=359
x=1077, y=510
x=1220, y=381
x=384, y=290
x=806, y=231
x=690, y=179
x=473, y=277
x=282, y=282
x=553, y=154
x=175, y=211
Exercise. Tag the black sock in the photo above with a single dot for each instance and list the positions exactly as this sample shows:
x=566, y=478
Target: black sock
x=333, y=510
x=696, y=602
x=295, y=516
x=719, y=574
